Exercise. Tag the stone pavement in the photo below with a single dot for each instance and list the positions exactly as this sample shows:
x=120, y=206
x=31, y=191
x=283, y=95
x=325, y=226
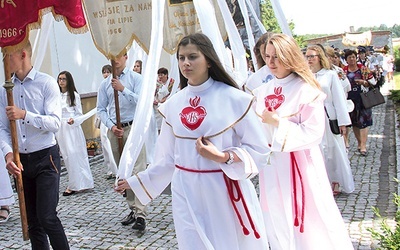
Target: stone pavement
x=91, y=218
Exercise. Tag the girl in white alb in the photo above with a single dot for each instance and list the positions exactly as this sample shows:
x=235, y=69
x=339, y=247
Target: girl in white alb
x=333, y=147
x=299, y=210
x=207, y=149
x=71, y=139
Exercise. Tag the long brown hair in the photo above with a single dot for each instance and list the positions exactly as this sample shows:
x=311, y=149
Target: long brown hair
x=262, y=40
x=216, y=71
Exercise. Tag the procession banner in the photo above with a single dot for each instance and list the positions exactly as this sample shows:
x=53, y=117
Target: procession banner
x=19, y=17
x=181, y=19
x=115, y=24
x=352, y=39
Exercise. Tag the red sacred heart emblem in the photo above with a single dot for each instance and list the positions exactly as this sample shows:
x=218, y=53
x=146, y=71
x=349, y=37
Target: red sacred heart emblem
x=192, y=117
x=276, y=99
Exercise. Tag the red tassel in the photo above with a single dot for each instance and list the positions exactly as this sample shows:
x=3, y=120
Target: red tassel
x=232, y=186
x=302, y=228
x=296, y=222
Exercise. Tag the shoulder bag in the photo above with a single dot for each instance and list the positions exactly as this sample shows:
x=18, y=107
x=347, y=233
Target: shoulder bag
x=372, y=98
x=333, y=124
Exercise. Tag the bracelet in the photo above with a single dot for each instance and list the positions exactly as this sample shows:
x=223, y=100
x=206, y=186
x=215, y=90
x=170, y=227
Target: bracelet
x=230, y=159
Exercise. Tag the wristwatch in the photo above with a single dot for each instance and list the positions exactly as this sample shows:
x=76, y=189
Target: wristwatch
x=230, y=159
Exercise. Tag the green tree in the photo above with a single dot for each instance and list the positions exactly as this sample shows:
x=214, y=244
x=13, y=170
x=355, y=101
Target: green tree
x=268, y=18
x=396, y=30
x=397, y=57
x=271, y=24
x=383, y=27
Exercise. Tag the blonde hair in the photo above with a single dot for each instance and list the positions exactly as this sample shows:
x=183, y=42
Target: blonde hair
x=330, y=51
x=323, y=59
x=27, y=47
x=291, y=57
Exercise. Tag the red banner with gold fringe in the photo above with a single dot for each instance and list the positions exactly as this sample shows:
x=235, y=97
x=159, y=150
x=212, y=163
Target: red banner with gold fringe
x=19, y=17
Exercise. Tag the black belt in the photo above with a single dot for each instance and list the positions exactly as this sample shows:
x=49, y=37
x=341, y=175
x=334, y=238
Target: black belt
x=126, y=124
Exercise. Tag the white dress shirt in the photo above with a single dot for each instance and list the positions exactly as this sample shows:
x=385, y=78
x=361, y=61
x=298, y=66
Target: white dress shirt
x=128, y=98
x=39, y=95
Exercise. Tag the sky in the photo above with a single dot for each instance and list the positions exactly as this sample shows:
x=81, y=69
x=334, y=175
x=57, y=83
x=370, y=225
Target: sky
x=333, y=17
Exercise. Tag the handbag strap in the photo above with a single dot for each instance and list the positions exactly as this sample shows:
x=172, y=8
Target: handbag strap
x=326, y=112
x=370, y=85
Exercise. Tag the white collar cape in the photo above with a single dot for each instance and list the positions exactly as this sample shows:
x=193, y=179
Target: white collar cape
x=206, y=110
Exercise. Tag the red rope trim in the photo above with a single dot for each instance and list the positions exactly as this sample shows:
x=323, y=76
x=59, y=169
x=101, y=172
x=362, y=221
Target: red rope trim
x=231, y=186
x=234, y=184
x=296, y=170
x=199, y=171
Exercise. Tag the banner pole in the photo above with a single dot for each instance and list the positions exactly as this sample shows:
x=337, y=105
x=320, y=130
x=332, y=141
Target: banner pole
x=14, y=139
x=117, y=113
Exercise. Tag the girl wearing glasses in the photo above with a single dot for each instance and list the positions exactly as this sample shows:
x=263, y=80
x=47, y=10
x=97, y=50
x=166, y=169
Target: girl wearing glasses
x=71, y=139
x=336, y=161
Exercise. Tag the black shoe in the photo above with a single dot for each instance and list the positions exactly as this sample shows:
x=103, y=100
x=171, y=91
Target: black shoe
x=68, y=193
x=110, y=176
x=129, y=219
x=140, y=224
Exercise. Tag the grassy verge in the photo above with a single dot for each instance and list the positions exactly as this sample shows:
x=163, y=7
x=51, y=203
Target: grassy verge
x=397, y=80
x=395, y=94
x=388, y=237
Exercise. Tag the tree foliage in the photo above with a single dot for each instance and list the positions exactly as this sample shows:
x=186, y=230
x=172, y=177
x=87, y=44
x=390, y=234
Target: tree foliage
x=395, y=29
x=396, y=50
x=271, y=24
x=268, y=18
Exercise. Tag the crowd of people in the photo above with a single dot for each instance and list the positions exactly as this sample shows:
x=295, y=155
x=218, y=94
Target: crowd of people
x=277, y=127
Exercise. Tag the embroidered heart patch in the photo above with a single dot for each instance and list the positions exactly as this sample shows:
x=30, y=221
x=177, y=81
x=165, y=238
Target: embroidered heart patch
x=275, y=100
x=193, y=116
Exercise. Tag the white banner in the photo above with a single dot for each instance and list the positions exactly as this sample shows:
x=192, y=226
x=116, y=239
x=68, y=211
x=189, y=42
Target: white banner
x=181, y=19
x=114, y=24
x=363, y=39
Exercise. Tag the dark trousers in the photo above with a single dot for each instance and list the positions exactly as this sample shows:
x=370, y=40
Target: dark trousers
x=41, y=180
